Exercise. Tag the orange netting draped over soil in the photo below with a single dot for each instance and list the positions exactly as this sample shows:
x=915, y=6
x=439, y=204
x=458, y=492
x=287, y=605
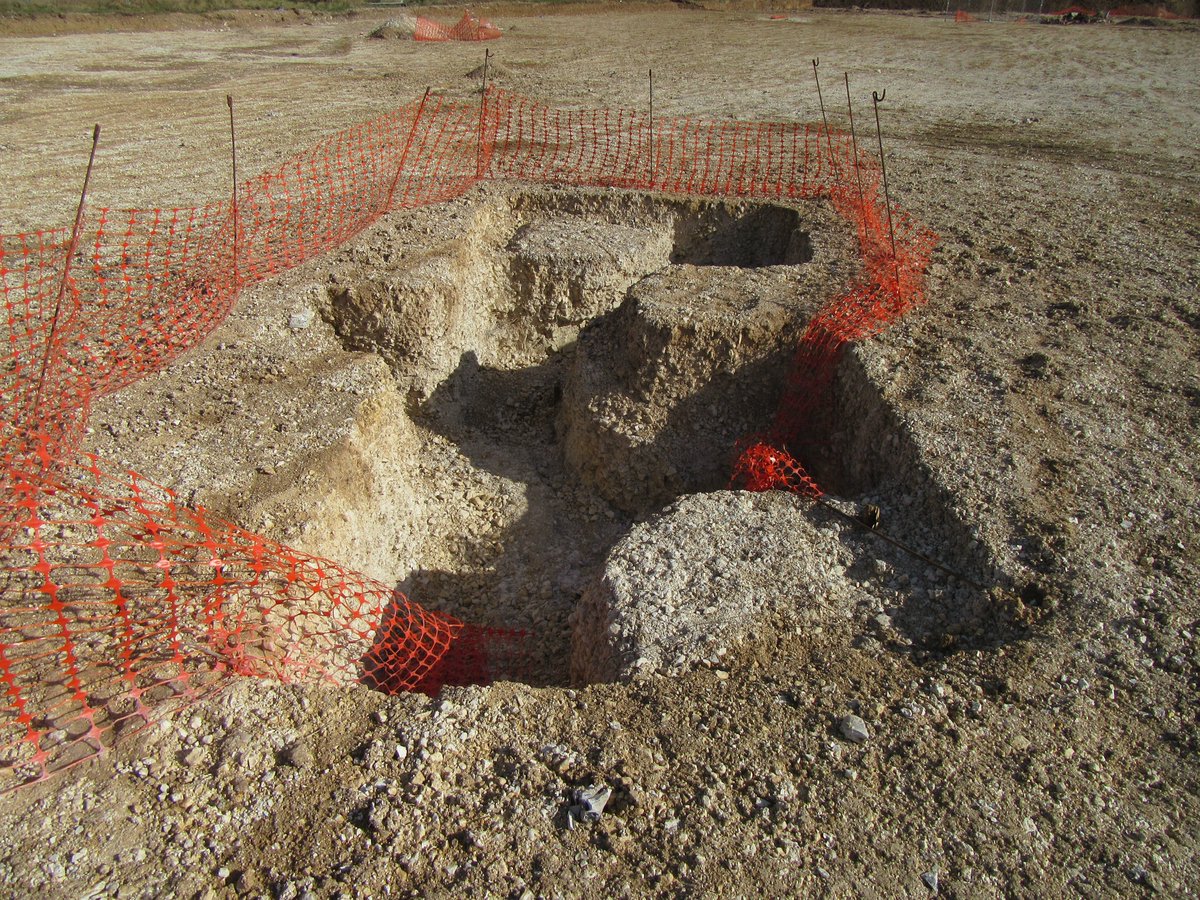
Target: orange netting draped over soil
x=120, y=604
x=468, y=28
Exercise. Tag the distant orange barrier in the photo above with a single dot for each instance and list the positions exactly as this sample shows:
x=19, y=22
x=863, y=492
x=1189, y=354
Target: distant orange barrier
x=468, y=28
x=120, y=603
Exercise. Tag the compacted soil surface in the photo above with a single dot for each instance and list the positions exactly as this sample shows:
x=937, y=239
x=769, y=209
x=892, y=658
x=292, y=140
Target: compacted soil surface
x=519, y=407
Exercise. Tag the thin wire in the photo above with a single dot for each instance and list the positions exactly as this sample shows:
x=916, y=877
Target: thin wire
x=487, y=54
x=899, y=544
x=651, y=128
x=407, y=146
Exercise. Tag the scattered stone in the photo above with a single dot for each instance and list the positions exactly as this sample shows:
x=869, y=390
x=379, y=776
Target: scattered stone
x=588, y=803
x=854, y=729
x=298, y=321
x=931, y=880
x=299, y=755
x=247, y=882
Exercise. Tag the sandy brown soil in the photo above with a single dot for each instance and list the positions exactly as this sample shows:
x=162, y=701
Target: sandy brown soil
x=1040, y=412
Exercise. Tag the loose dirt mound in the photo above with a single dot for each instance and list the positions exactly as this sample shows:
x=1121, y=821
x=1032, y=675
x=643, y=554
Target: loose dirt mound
x=396, y=29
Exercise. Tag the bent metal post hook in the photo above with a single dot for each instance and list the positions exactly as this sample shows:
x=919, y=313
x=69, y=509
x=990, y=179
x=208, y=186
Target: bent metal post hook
x=825, y=121
x=887, y=200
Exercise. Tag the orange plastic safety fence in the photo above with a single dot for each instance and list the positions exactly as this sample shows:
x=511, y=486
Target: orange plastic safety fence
x=468, y=28
x=119, y=604
x=147, y=285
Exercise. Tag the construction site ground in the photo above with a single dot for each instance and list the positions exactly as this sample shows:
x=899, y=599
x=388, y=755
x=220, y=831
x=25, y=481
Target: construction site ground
x=1033, y=427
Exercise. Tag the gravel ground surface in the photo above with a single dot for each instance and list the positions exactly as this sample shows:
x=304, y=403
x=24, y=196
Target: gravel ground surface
x=800, y=707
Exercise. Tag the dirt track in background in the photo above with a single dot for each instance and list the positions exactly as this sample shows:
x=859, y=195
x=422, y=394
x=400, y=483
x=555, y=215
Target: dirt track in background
x=1049, y=389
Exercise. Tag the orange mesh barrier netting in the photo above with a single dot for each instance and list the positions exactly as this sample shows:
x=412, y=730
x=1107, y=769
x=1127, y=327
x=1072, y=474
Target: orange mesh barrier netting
x=146, y=285
x=468, y=28
x=121, y=604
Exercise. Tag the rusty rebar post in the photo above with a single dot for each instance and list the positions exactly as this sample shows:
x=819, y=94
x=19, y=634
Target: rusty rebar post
x=825, y=121
x=233, y=156
x=887, y=199
x=487, y=55
x=407, y=146
x=862, y=203
x=651, y=128
x=66, y=275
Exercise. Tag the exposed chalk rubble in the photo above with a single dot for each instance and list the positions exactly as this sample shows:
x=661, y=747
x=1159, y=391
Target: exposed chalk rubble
x=682, y=587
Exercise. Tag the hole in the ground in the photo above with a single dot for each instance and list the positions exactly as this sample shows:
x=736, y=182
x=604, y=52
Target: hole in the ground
x=746, y=236
x=566, y=373
x=860, y=447
x=575, y=360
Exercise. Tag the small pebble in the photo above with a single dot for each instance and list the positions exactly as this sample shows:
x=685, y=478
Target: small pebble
x=298, y=321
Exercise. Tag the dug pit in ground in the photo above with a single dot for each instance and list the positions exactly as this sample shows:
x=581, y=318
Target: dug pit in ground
x=561, y=362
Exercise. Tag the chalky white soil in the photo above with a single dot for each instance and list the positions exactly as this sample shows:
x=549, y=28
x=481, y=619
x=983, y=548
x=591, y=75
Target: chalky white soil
x=436, y=404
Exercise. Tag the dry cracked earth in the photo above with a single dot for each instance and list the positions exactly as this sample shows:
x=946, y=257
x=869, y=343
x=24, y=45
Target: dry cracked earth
x=518, y=407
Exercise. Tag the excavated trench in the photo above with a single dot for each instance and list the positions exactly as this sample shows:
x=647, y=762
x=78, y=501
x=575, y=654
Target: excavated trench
x=574, y=361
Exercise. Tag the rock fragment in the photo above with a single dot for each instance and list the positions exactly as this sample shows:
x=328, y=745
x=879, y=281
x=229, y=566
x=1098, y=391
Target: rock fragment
x=854, y=729
x=298, y=321
x=588, y=803
x=299, y=755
